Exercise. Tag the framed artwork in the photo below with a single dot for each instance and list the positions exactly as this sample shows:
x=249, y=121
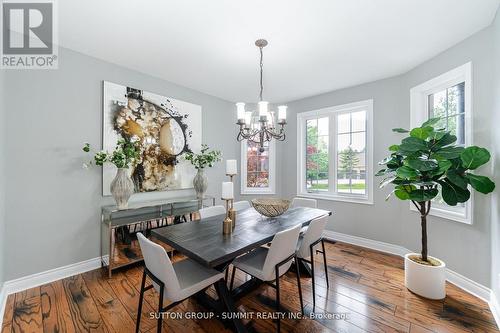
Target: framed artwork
x=165, y=128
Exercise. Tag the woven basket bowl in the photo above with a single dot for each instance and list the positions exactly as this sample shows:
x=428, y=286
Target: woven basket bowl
x=271, y=207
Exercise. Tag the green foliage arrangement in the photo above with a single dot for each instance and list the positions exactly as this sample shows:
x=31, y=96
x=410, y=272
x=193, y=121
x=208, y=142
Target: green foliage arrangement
x=125, y=154
x=428, y=163
x=205, y=158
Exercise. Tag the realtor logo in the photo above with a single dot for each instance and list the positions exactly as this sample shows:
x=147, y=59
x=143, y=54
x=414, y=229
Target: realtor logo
x=29, y=35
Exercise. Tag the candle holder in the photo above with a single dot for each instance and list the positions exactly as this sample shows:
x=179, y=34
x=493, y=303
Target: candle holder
x=227, y=225
x=231, y=211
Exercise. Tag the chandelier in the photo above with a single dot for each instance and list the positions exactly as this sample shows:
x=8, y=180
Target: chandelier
x=259, y=126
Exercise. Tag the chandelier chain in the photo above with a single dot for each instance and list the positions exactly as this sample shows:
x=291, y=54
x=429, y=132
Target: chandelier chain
x=261, y=73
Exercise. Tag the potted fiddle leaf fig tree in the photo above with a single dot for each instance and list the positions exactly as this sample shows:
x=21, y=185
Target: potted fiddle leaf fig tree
x=427, y=165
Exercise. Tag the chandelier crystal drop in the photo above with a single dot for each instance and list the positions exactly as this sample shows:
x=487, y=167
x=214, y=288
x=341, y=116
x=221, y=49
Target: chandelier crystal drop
x=259, y=126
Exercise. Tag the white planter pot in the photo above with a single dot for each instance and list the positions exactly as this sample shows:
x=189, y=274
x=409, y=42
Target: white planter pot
x=424, y=280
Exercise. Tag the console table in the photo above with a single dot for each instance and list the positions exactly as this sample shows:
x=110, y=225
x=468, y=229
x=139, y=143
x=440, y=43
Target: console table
x=141, y=216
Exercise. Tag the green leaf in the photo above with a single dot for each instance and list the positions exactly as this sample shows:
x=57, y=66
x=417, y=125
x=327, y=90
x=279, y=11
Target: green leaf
x=443, y=165
x=412, y=144
x=423, y=195
x=402, y=194
x=431, y=122
x=380, y=173
x=394, y=148
x=444, y=141
x=437, y=134
x=400, y=130
x=456, y=178
x=453, y=194
x=407, y=173
x=421, y=132
x=481, y=183
x=387, y=181
x=422, y=165
x=473, y=157
x=449, y=152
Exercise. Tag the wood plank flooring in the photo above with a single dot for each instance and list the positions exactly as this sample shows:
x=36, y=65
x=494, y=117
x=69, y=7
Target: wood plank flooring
x=366, y=291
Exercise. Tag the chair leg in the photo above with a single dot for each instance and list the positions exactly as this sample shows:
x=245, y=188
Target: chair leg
x=160, y=308
x=297, y=269
x=312, y=276
x=324, y=262
x=278, y=307
x=141, y=297
x=232, y=278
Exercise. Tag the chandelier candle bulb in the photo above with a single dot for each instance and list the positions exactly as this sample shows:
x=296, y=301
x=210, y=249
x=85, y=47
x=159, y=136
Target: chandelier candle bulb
x=282, y=112
x=263, y=109
x=231, y=167
x=227, y=190
x=240, y=109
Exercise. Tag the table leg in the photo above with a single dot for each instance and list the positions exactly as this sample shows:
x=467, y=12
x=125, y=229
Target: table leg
x=226, y=299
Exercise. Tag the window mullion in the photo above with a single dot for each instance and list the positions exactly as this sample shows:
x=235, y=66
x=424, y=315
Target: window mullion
x=332, y=153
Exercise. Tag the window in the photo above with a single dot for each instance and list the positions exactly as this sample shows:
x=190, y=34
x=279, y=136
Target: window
x=335, y=153
x=257, y=168
x=447, y=96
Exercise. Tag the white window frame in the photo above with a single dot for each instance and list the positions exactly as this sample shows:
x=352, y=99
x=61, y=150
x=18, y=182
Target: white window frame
x=331, y=112
x=419, y=107
x=272, y=171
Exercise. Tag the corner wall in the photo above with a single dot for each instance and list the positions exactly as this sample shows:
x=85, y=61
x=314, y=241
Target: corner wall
x=465, y=248
x=495, y=200
x=53, y=215
x=3, y=144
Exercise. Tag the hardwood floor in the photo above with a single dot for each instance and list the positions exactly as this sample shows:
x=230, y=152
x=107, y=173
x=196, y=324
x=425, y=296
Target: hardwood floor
x=366, y=291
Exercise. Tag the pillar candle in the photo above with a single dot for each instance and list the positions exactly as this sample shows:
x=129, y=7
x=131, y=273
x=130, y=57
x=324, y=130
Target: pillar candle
x=231, y=167
x=227, y=190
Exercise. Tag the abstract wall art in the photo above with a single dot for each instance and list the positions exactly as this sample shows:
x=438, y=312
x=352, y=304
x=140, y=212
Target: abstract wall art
x=165, y=128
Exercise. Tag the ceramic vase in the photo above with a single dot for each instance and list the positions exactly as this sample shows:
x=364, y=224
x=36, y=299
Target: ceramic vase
x=122, y=187
x=424, y=280
x=200, y=183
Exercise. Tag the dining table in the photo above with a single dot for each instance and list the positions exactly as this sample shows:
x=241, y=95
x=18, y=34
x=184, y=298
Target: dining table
x=204, y=242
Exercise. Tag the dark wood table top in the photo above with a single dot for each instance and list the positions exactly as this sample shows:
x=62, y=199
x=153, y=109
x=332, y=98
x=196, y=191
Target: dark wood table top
x=204, y=242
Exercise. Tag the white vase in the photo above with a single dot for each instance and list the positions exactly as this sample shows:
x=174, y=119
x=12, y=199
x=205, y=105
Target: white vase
x=122, y=187
x=425, y=280
x=200, y=183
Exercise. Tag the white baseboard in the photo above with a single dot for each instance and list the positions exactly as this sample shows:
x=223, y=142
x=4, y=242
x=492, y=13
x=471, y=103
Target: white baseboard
x=38, y=279
x=495, y=308
x=459, y=280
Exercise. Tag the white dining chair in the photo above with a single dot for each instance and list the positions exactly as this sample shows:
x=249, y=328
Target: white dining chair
x=268, y=264
x=212, y=211
x=175, y=282
x=307, y=246
x=240, y=205
x=304, y=202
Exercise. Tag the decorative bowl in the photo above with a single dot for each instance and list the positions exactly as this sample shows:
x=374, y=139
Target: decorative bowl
x=271, y=207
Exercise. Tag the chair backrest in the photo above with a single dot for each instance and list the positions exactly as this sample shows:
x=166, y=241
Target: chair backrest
x=312, y=234
x=283, y=245
x=157, y=262
x=304, y=202
x=240, y=205
x=212, y=211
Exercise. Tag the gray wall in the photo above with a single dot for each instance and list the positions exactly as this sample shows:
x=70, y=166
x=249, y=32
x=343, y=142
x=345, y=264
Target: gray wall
x=2, y=175
x=377, y=221
x=54, y=204
x=495, y=200
x=465, y=248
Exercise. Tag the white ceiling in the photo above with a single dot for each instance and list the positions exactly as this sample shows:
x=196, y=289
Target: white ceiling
x=315, y=46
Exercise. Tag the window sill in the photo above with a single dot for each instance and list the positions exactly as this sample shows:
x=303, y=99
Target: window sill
x=330, y=197
x=448, y=215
